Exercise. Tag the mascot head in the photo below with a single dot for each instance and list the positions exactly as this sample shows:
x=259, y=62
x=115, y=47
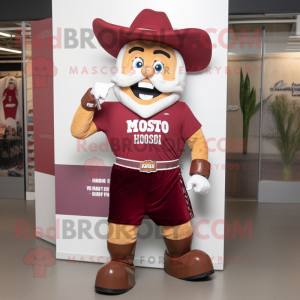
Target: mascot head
x=12, y=83
x=152, y=60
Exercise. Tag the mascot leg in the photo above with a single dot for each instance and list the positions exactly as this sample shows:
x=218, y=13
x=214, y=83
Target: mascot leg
x=179, y=260
x=117, y=276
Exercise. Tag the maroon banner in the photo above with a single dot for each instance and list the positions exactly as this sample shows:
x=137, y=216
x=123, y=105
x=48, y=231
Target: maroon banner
x=42, y=70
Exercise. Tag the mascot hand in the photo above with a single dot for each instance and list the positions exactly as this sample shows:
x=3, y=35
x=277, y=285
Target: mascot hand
x=200, y=183
x=100, y=90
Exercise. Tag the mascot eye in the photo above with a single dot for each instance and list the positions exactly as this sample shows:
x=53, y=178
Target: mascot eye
x=45, y=68
x=158, y=66
x=137, y=63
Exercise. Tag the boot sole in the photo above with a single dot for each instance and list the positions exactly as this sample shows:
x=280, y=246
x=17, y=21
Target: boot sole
x=195, y=277
x=110, y=291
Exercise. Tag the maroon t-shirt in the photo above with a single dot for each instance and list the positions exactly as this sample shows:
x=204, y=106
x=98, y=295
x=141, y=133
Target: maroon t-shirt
x=158, y=138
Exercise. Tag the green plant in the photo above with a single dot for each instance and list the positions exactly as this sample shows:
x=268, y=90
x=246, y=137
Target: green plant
x=248, y=107
x=286, y=138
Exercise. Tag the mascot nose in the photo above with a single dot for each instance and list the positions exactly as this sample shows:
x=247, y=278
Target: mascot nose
x=148, y=71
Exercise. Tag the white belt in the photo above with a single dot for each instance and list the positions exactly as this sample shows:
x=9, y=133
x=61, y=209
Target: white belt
x=147, y=166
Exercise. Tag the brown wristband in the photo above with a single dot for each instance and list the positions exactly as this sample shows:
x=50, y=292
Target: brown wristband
x=200, y=167
x=88, y=101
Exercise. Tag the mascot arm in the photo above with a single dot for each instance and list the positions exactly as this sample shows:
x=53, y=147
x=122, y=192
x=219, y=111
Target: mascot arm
x=83, y=125
x=200, y=167
x=198, y=145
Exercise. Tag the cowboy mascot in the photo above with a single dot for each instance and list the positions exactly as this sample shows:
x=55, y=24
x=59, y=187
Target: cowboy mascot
x=147, y=129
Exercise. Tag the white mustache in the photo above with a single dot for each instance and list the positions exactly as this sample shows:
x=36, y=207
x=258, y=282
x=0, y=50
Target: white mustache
x=157, y=80
x=131, y=78
x=165, y=86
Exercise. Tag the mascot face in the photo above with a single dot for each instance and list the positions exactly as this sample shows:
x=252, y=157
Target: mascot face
x=150, y=78
x=11, y=85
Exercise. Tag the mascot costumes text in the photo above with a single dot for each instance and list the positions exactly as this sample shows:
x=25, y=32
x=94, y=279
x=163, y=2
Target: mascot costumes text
x=147, y=130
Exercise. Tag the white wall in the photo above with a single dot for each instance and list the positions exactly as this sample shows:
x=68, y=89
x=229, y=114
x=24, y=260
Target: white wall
x=45, y=206
x=205, y=94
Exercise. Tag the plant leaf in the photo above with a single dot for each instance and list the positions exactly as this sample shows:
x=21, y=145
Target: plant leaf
x=247, y=86
x=286, y=138
x=242, y=98
x=252, y=101
x=257, y=106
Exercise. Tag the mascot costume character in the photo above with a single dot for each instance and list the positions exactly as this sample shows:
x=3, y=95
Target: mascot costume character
x=147, y=129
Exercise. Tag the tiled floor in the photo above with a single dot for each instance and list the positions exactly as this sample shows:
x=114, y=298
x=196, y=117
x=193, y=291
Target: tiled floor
x=274, y=271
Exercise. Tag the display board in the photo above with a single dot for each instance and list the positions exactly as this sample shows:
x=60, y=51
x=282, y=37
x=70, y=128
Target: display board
x=82, y=191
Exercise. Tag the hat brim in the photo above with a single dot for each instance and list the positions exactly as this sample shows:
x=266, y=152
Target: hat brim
x=193, y=44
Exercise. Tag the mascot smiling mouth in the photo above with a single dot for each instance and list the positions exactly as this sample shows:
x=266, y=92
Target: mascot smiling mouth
x=145, y=90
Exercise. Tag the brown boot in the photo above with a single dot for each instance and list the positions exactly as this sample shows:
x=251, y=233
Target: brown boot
x=117, y=276
x=182, y=262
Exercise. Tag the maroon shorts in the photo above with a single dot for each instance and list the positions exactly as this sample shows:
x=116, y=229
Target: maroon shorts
x=161, y=196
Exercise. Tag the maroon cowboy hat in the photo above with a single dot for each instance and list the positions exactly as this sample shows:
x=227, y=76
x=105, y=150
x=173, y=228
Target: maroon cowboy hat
x=193, y=44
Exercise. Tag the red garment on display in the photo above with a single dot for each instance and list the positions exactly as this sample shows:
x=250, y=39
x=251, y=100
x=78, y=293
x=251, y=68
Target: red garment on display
x=10, y=103
x=158, y=138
